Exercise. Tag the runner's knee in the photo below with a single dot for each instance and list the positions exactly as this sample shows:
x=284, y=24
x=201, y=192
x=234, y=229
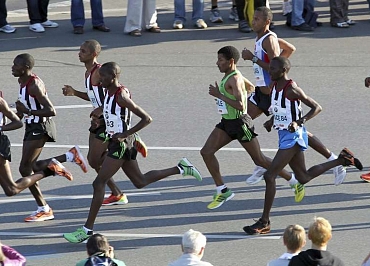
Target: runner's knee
x=206, y=152
x=9, y=192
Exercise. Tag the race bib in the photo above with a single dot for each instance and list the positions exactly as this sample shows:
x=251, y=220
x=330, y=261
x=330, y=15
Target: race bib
x=113, y=124
x=221, y=107
x=280, y=118
x=258, y=72
x=92, y=98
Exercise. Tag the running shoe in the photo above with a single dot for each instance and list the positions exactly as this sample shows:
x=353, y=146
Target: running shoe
x=257, y=175
x=258, y=228
x=365, y=177
x=299, y=192
x=140, y=145
x=40, y=216
x=215, y=16
x=220, y=199
x=115, y=200
x=77, y=236
x=78, y=158
x=339, y=174
x=178, y=24
x=200, y=24
x=59, y=169
x=49, y=24
x=234, y=14
x=189, y=169
x=349, y=159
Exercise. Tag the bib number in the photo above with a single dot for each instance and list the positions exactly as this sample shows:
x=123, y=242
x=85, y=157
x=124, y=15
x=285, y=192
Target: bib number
x=221, y=107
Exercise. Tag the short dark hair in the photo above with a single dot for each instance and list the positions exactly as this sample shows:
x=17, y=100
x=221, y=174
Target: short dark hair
x=283, y=62
x=111, y=68
x=97, y=243
x=266, y=12
x=230, y=52
x=93, y=45
x=27, y=60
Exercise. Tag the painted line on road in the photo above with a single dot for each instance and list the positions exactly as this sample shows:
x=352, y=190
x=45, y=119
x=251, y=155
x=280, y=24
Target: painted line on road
x=149, y=148
x=138, y=194
x=115, y=235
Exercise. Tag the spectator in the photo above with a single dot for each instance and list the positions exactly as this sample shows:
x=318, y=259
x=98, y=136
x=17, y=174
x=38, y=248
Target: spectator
x=339, y=14
x=193, y=245
x=141, y=12
x=216, y=16
x=320, y=234
x=197, y=15
x=294, y=239
x=78, y=16
x=4, y=26
x=287, y=7
x=99, y=251
x=38, y=14
x=296, y=20
x=10, y=257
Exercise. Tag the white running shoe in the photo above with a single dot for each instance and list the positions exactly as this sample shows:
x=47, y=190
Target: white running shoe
x=37, y=27
x=339, y=174
x=50, y=24
x=7, y=29
x=257, y=175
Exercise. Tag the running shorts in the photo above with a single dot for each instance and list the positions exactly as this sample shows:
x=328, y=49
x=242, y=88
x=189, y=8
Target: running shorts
x=37, y=131
x=117, y=150
x=5, y=147
x=288, y=139
x=261, y=100
x=241, y=128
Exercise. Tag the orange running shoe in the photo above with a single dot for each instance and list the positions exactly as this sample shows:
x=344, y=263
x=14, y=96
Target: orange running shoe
x=349, y=159
x=115, y=200
x=78, y=158
x=59, y=169
x=140, y=145
x=41, y=216
x=365, y=177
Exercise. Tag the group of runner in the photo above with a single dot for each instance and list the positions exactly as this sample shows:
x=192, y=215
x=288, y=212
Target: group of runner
x=114, y=142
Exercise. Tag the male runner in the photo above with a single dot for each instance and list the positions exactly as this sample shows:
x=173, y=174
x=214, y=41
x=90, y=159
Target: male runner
x=34, y=106
x=366, y=177
x=288, y=119
x=48, y=167
x=266, y=48
x=117, y=110
x=231, y=99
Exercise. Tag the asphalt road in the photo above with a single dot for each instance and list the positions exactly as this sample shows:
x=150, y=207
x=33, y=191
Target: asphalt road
x=168, y=75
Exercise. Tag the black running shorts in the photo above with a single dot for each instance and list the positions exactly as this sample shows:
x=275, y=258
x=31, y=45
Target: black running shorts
x=241, y=128
x=99, y=132
x=5, y=147
x=261, y=100
x=117, y=151
x=37, y=131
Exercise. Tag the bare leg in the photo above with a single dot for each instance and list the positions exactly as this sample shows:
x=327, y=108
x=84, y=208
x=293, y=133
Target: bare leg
x=318, y=146
x=215, y=141
x=253, y=110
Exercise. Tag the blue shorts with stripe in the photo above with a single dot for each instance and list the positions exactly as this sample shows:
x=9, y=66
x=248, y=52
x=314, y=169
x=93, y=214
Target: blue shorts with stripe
x=288, y=139
x=241, y=128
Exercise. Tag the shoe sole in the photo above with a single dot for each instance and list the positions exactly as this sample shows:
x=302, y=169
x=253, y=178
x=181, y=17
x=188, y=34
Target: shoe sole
x=81, y=158
x=116, y=203
x=249, y=231
x=255, y=181
x=227, y=199
x=40, y=219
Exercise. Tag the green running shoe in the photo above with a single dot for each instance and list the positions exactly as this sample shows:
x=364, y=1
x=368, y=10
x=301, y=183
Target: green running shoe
x=220, y=199
x=299, y=192
x=189, y=169
x=77, y=236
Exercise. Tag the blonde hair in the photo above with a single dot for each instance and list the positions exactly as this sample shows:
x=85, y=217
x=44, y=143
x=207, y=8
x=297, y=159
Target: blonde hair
x=319, y=231
x=294, y=237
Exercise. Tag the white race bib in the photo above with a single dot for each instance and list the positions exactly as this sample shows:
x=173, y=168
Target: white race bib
x=221, y=107
x=280, y=118
x=258, y=72
x=92, y=98
x=113, y=124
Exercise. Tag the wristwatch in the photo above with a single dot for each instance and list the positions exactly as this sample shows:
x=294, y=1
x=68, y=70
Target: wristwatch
x=254, y=59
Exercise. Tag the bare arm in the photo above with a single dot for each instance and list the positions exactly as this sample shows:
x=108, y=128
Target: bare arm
x=287, y=48
x=15, y=121
x=235, y=85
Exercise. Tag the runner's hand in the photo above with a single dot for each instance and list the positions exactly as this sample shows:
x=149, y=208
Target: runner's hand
x=268, y=125
x=68, y=91
x=293, y=127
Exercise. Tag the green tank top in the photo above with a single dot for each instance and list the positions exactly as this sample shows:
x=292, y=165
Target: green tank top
x=232, y=113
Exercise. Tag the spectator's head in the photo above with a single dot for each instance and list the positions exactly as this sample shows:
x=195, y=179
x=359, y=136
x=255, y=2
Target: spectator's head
x=319, y=232
x=93, y=46
x=194, y=242
x=97, y=244
x=294, y=238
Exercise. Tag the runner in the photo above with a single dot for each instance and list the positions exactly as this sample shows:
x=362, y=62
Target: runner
x=34, y=106
x=366, y=177
x=49, y=167
x=95, y=93
x=288, y=119
x=231, y=99
x=267, y=46
x=117, y=111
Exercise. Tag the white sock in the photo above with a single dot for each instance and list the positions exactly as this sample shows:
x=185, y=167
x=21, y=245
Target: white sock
x=86, y=230
x=219, y=188
x=45, y=208
x=332, y=157
x=181, y=170
x=293, y=181
x=69, y=156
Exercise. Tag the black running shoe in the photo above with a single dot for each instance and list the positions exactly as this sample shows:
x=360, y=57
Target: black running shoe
x=349, y=159
x=258, y=228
